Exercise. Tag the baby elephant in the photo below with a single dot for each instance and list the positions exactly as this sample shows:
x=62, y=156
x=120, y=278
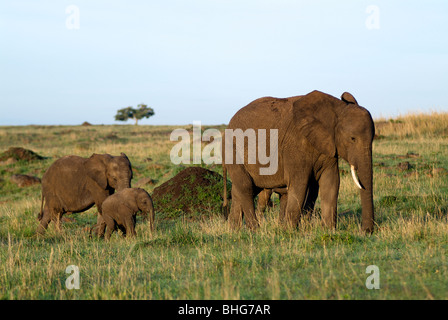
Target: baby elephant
x=120, y=211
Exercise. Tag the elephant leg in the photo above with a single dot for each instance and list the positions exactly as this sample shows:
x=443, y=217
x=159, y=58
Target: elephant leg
x=294, y=204
x=44, y=221
x=264, y=201
x=329, y=189
x=242, y=207
x=130, y=226
x=247, y=205
x=100, y=227
x=110, y=223
x=99, y=204
x=236, y=213
x=242, y=199
x=249, y=215
x=99, y=198
x=283, y=202
x=58, y=220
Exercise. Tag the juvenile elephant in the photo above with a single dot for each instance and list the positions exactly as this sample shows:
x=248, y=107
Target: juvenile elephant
x=74, y=184
x=120, y=211
x=313, y=131
x=264, y=199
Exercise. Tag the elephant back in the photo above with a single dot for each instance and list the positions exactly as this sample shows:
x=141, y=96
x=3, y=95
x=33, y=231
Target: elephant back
x=265, y=113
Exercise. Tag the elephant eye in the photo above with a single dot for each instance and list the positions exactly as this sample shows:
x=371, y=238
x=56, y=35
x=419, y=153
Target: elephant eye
x=353, y=139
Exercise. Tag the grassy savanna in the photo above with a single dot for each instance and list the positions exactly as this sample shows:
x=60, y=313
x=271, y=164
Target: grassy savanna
x=203, y=258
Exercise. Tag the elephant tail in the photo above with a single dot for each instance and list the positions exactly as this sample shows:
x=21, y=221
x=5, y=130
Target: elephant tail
x=225, y=205
x=41, y=213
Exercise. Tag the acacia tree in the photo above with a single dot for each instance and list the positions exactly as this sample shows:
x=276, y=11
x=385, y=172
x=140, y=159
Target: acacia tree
x=142, y=111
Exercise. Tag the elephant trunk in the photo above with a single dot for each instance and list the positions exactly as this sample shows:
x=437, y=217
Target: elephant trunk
x=123, y=184
x=365, y=175
x=150, y=215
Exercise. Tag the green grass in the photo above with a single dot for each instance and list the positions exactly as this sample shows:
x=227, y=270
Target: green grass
x=203, y=258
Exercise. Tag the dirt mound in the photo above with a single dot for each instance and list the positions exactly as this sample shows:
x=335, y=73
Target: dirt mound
x=23, y=180
x=193, y=191
x=20, y=154
x=85, y=123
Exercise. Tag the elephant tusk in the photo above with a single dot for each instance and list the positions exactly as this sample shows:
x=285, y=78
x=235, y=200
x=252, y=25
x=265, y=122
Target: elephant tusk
x=355, y=178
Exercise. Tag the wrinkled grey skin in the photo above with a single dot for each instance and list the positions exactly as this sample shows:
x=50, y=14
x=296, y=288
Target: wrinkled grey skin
x=314, y=130
x=74, y=184
x=120, y=211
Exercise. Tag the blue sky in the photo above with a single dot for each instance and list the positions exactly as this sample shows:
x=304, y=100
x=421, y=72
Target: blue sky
x=202, y=60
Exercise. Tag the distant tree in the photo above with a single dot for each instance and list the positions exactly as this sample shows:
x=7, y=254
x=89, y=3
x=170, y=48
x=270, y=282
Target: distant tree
x=142, y=111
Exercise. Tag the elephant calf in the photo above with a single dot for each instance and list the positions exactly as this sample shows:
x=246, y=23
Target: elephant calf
x=120, y=211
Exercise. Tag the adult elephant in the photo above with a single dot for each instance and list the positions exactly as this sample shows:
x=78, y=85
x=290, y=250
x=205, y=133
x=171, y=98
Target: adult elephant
x=313, y=131
x=74, y=184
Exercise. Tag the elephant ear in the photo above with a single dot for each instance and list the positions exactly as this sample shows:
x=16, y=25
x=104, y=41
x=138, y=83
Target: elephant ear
x=312, y=113
x=348, y=98
x=131, y=202
x=124, y=155
x=130, y=165
x=139, y=195
x=318, y=136
x=96, y=169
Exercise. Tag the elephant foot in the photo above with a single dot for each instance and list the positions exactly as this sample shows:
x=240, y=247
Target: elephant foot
x=252, y=225
x=289, y=224
x=41, y=230
x=94, y=231
x=368, y=230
